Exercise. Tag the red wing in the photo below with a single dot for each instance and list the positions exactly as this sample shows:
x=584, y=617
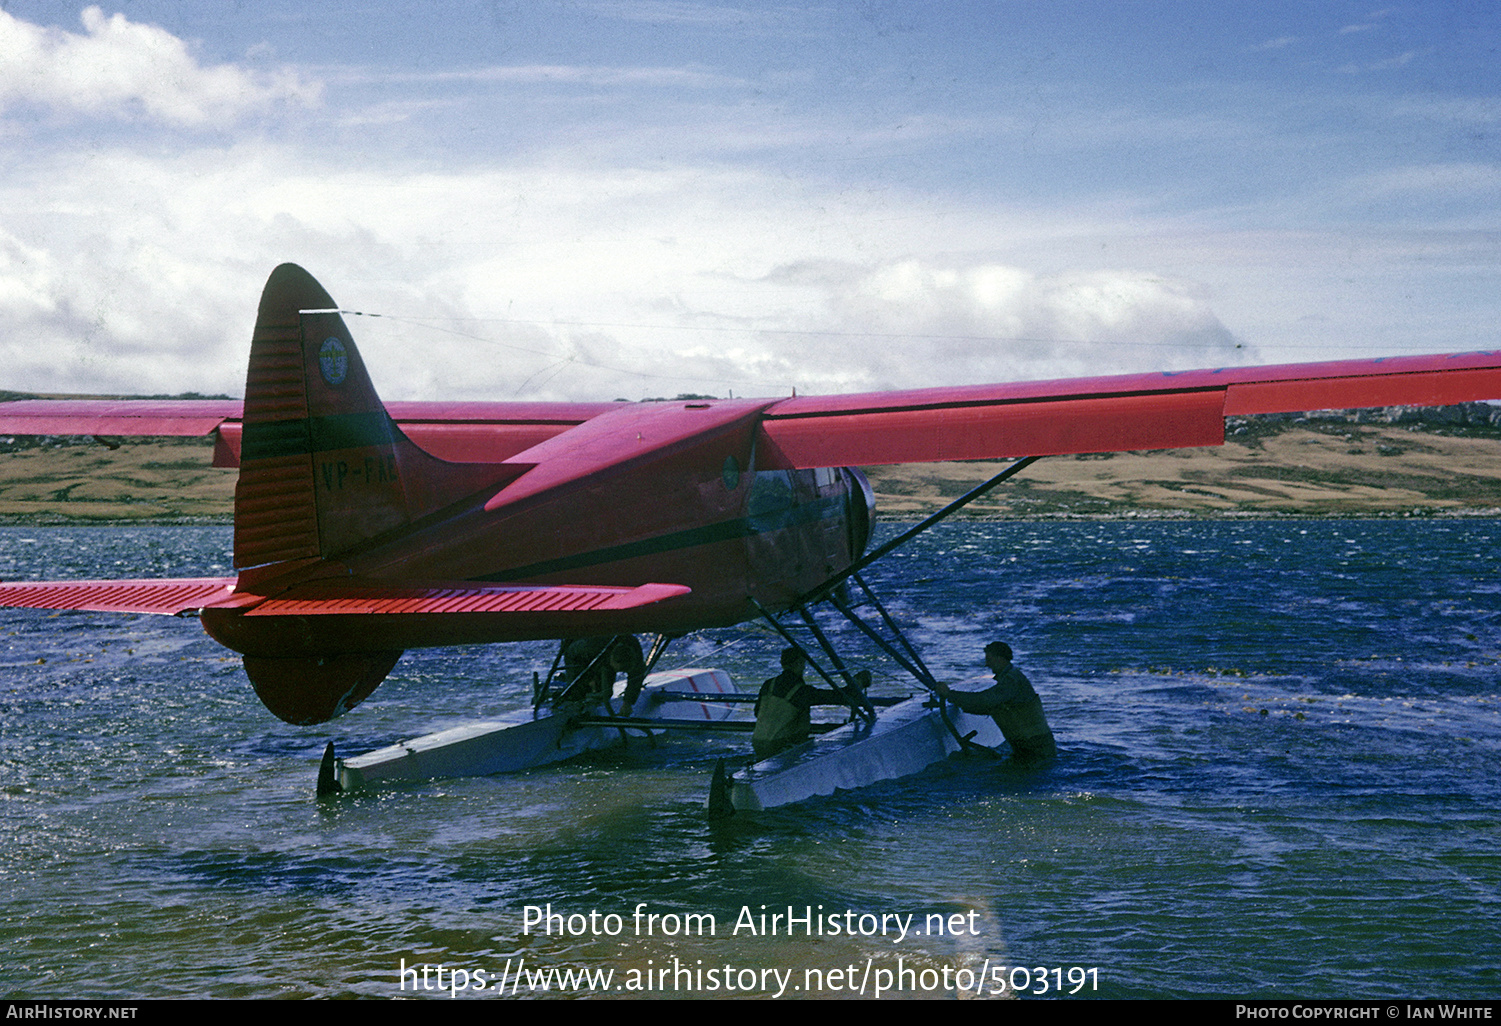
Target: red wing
x=117, y=417
x=1139, y=411
x=461, y=432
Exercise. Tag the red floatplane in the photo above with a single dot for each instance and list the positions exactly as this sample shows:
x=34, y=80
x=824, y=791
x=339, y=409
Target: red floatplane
x=363, y=529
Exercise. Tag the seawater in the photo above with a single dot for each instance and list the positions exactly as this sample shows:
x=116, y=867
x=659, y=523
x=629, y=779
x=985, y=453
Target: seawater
x=1278, y=777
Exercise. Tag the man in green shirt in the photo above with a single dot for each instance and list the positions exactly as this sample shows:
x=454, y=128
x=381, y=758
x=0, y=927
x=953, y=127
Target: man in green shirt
x=783, y=705
x=1012, y=703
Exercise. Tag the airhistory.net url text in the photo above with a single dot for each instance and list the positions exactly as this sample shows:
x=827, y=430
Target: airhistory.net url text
x=869, y=979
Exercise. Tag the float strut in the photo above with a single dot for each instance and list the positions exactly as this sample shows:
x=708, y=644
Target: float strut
x=858, y=703
x=658, y=646
x=915, y=666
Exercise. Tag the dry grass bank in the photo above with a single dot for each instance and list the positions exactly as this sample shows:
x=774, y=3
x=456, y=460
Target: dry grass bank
x=1322, y=469
x=1339, y=470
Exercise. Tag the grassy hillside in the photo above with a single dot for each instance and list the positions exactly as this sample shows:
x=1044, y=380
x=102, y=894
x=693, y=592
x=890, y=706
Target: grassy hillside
x=160, y=480
x=1267, y=466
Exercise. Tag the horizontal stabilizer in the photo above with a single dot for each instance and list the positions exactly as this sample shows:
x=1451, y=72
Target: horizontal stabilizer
x=342, y=598
x=170, y=597
x=166, y=597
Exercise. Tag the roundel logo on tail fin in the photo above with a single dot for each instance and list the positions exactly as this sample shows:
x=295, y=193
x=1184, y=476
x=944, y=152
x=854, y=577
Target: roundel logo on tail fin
x=333, y=361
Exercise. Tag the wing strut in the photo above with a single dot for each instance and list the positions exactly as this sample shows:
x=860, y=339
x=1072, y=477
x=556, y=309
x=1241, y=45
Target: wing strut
x=828, y=586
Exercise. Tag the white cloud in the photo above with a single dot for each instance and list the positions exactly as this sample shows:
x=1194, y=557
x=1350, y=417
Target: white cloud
x=1366, y=26
x=569, y=74
x=1400, y=60
x=130, y=272
x=917, y=322
x=678, y=12
x=120, y=68
x=125, y=271
x=1469, y=112
x=1440, y=181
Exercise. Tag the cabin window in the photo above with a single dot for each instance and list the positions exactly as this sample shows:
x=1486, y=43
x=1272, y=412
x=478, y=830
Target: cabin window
x=771, y=492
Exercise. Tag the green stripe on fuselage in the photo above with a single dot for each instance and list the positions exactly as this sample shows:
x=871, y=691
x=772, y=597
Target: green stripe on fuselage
x=725, y=530
x=265, y=440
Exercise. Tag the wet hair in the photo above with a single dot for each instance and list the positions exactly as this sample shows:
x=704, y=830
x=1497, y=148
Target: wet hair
x=999, y=648
x=792, y=656
x=624, y=653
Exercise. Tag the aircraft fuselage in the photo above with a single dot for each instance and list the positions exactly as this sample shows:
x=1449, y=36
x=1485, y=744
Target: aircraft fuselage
x=695, y=518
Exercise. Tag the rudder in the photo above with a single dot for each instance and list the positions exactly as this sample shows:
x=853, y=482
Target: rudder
x=323, y=468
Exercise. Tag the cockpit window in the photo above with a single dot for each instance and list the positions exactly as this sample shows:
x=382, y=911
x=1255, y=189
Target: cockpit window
x=771, y=492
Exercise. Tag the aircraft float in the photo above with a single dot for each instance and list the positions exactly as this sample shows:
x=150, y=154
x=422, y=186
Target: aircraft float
x=362, y=529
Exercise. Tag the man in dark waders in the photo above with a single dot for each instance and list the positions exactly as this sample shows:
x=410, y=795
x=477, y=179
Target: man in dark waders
x=782, y=707
x=590, y=665
x=1012, y=703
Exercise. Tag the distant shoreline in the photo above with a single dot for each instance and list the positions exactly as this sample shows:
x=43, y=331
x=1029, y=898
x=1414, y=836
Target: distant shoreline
x=1177, y=516
x=1400, y=463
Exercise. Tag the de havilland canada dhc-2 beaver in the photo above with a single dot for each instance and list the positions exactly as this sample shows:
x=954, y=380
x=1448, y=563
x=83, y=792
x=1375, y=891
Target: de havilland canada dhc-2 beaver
x=362, y=529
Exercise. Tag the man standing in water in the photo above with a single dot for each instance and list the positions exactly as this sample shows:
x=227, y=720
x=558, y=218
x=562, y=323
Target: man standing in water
x=783, y=706
x=1012, y=703
x=590, y=665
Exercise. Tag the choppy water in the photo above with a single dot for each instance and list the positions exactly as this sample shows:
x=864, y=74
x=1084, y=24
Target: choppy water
x=1278, y=778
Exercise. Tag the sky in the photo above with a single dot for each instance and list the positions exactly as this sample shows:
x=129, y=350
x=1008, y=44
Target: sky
x=599, y=199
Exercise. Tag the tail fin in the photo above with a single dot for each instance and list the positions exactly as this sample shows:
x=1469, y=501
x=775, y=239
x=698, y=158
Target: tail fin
x=323, y=468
